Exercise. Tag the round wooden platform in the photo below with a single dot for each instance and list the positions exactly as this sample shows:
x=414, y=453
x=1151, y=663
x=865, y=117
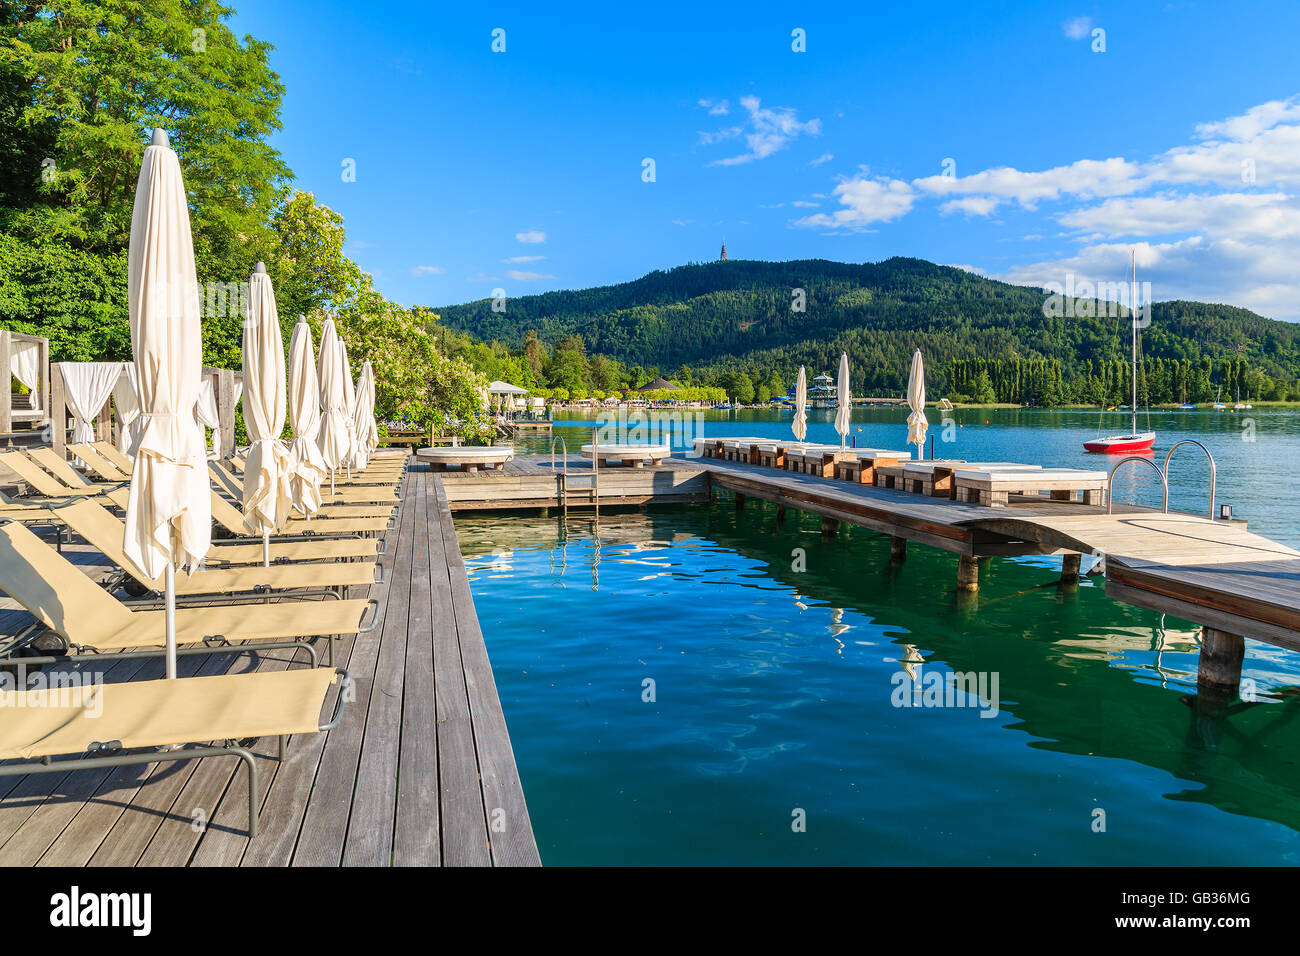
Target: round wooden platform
x=468, y=457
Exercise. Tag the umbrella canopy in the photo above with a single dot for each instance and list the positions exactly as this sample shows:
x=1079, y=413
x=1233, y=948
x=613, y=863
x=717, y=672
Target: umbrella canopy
x=916, y=423
x=306, y=465
x=367, y=429
x=334, y=445
x=801, y=405
x=169, y=510
x=266, y=480
x=349, y=407
x=505, y=388
x=844, y=400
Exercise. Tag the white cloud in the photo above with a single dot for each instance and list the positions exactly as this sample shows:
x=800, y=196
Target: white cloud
x=1082, y=179
x=1076, y=28
x=971, y=205
x=531, y=235
x=683, y=222
x=481, y=277
x=805, y=204
x=720, y=135
x=865, y=201
x=427, y=271
x=715, y=108
x=823, y=158
x=526, y=276
x=522, y=259
x=770, y=130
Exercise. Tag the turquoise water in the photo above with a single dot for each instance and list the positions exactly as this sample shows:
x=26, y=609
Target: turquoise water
x=779, y=661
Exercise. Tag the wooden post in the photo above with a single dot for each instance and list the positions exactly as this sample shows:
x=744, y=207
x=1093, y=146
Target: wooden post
x=58, y=411
x=1070, y=569
x=7, y=400
x=104, y=422
x=1219, y=670
x=897, y=548
x=968, y=573
x=829, y=527
x=226, y=410
x=780, y=514
x=43, y=373
x=740, y=502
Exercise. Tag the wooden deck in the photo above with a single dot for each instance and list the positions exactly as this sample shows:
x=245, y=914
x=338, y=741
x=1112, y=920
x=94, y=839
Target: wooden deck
x=419, y=772
x=532, y=481
x=1215, y=573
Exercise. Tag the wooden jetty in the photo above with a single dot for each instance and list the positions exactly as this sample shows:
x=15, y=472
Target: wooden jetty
x=419, y=772
x=1215, y=573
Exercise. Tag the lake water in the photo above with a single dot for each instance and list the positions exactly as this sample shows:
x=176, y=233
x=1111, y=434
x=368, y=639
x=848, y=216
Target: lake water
x=696, y=685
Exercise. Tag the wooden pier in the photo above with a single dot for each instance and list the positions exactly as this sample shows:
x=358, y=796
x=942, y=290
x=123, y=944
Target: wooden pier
x=1214, y=573
x=419, y=772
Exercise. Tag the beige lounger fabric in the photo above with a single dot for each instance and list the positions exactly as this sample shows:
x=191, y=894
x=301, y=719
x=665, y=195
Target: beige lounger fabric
x=154, y=713
x=41, y=481
x=104, y=533
x=70, y=603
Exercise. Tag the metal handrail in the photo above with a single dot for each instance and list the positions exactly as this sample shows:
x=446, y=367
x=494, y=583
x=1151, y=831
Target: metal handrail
x=1164, y=483
x=563, y=478
x=1193, y=441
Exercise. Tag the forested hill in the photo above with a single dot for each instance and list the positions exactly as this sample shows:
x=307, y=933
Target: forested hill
x=738, y=316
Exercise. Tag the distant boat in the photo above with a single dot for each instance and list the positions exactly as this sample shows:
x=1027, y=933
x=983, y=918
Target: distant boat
x=1189, y=406
x=1242, y=405
x=1135, y=440
x=1219, y=405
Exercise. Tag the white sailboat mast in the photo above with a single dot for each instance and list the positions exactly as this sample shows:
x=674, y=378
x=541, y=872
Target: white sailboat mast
x=1133, y=315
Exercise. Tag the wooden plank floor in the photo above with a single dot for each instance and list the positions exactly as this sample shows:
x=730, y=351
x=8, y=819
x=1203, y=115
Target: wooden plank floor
x=419, y=771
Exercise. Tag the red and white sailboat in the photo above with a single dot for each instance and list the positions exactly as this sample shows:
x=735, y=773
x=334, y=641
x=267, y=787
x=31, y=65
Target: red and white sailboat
x=1135, y=441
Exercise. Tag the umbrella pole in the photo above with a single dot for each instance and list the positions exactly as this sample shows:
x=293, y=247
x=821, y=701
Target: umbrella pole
x=169, y=618
x=266, y=549
x=332, y=472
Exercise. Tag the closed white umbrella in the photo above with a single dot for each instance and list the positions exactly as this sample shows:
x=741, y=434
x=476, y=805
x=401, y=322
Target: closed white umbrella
x=349, y=405
x=307, y=468
x=266, y=480
x=844, y=403
x=916, y=423
x=364, y=420
x=333, y=428
x=169, y=511
x=801, y=405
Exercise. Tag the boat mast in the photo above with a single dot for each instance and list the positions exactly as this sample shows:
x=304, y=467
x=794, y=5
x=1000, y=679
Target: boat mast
x=1133, y=315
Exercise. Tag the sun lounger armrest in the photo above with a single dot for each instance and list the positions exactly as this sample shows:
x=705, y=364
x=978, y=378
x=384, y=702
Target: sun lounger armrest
x=383, y=548
x=380, y=566
x=374, y=620
x=345, y=688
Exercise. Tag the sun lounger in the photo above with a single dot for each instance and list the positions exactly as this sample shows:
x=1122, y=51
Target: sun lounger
x=65, y=600
x=994, y=487
x=343, y=498
x=934, y=478
x=104, y=532
x=772, y=454
x=230, y=518
x=816, y=460
x=115, y=725
x=101, y=466
x=859, y=464
x=44, y=484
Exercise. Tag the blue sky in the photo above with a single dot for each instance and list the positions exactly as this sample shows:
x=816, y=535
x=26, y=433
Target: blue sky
x=523, y=170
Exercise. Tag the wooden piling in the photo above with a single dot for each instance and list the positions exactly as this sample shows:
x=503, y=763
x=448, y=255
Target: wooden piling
x=1219, y=670
x=897, y=548
x=1070, y=569
x=968, y=573
x=740, y=502
x=829, y=527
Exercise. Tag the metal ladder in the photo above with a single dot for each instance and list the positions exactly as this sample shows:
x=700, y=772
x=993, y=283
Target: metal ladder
x=565, y=482
x=1164, y=476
